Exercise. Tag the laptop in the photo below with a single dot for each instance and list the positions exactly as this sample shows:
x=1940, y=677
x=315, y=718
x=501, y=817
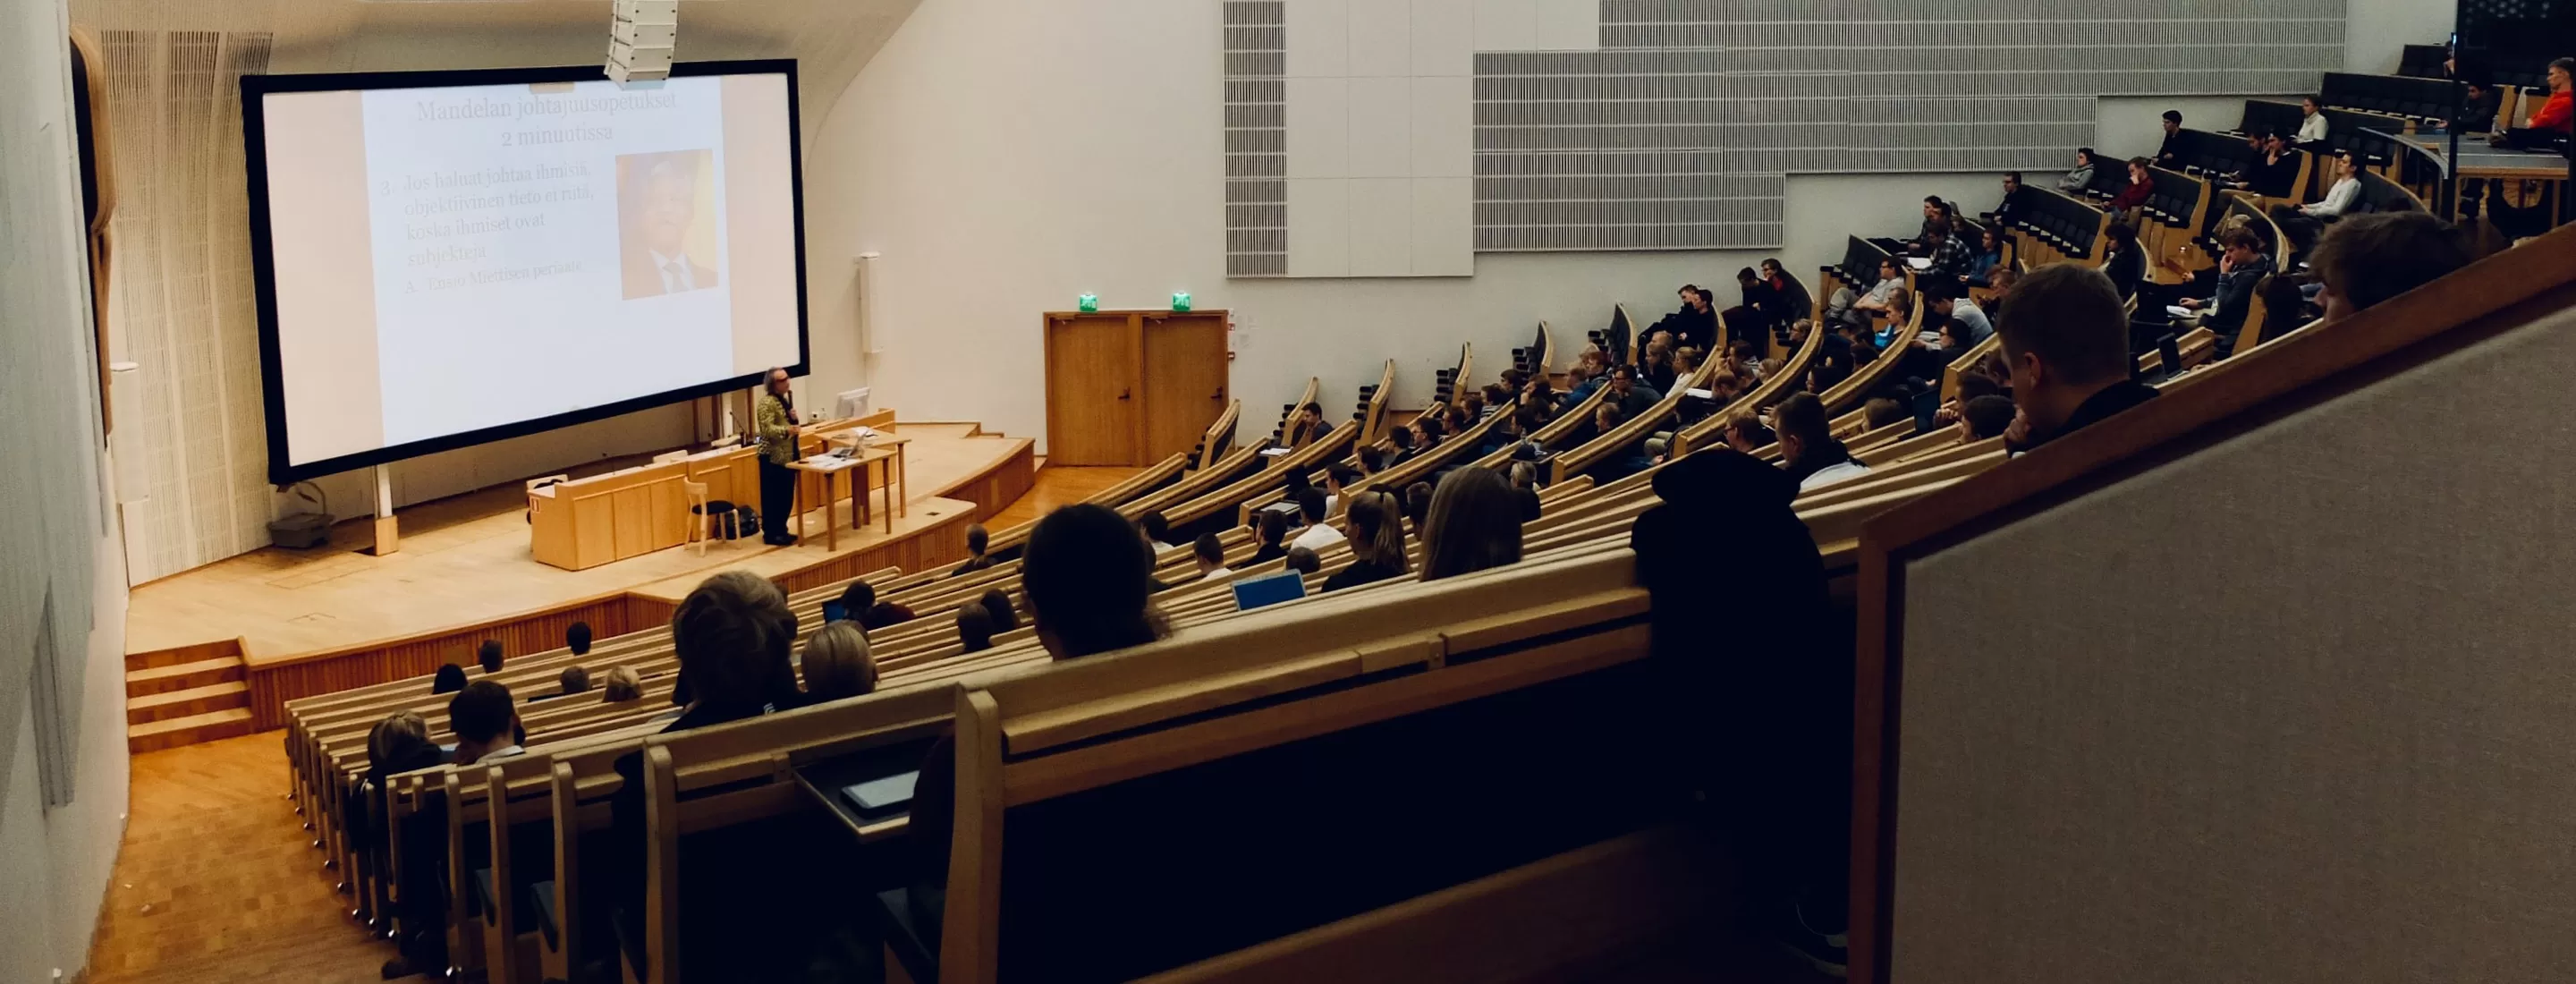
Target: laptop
x=834, y=611
x=881, y=796
x=1251, y=593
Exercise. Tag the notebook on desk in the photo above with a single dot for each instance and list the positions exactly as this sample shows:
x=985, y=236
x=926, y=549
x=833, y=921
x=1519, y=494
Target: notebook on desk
x=1251, y=593
x=880, y=796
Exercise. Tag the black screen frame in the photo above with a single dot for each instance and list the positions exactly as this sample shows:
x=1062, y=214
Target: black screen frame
x=254, y=88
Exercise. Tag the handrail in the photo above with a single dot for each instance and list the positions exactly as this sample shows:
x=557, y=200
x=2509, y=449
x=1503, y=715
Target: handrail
x=1547, y=356
x=1306, y=457
x=1373, y=419
x=2490, y=296
x=1891, y=360
x=1217, y=439
x=1630, y=431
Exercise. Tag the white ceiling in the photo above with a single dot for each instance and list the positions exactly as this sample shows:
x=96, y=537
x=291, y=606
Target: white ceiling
x=830, y=39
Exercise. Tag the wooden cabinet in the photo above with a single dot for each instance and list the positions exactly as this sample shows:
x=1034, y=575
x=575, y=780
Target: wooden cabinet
x=1132, y=387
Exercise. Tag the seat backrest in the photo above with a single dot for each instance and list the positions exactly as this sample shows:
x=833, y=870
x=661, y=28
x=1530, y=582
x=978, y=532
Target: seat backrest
x=2268, y=115
x=1137, y=812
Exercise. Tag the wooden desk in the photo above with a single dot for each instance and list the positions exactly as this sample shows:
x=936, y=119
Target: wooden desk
x=829, y=468
x=634, y=511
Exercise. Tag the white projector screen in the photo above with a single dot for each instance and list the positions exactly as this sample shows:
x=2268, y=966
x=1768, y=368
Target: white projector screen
x=449, y=258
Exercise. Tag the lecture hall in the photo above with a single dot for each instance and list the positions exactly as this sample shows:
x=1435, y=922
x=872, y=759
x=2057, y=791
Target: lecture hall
x=1281, y=491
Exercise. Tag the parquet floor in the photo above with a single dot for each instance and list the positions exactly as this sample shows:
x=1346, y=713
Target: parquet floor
x=218, y=880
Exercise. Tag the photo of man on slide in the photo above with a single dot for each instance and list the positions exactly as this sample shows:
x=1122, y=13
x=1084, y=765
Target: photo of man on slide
x=659, y=197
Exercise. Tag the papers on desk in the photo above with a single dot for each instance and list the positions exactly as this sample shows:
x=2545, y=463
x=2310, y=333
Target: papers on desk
x=1273, y=452
x=829, y=462
x=857, y=437
x=1698, y=393
x=1919, y=262
x=2180, y=311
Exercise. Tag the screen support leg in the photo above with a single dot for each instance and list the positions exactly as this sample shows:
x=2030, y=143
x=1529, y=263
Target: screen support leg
x=387, y=540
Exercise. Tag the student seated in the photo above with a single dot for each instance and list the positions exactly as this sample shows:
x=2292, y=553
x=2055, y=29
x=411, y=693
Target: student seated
x=1808, y=450
x=1271, y=529
x=837, y=664
x=885, y=613
x=1882, y=412
x=2066, y=337
x=2276, y=173
x=398, y=744
x=2312, y=121
x=2241, y=265
x=622, y=686
x=1316, y=534
x=1304, y=426
x=1525, y=488
x=1787, y=299
x=1747, y=434
x=1086, y=576
x=1157, y=530
x=1621, y=462
x=2169, y=153
x=1400, y=442
x=1377, y=543
x=1987, y=257
x=1304, y=561
x=997, y=603
x=489, y=654
x=2304, y=223
x=1984, y=417
x=1339, y=477
x=974, y=628
x=2368, y=259
x=1417, y=504
x=2123, y=260
x=1210, y=554
x=976, y=542
x=577, y=638
x=2134, y=196
x=449, y=679
x=1696, y=322
x=572, y=680
x=2081, y=176
x=857, y=599
x=1474, y=523
x=483, y=719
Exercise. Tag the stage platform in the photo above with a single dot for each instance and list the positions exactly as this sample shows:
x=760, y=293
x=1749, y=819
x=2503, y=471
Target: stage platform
x=309, y=621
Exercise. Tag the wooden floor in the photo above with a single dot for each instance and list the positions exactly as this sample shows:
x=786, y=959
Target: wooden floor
x=466, y=558
x=218, y=881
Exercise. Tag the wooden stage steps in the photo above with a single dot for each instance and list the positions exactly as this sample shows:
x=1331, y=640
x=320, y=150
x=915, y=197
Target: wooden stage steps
x=185, y=695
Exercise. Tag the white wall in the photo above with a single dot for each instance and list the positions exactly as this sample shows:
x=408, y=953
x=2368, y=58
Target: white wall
x=1007, y=157
x=56, y=556
x=2376, y=32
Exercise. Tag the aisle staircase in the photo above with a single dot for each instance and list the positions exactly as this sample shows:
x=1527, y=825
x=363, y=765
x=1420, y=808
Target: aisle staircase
x=186, y=695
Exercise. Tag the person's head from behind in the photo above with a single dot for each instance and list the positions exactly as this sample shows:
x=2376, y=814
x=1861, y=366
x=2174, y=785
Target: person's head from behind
x=1882, y=412
x=1803, y=426
x=1474, y=523
x=489, y=654
x=449, y=679
x=481, y=715
x=2173, y=120
x=974, y=628
x=997, y=603
x=732, y=635
x=1985, y=416
x=1377, y=531
x=1401, y=438
x=857, y=599
x=1209, y=552
x=977, y=539
x=1748, y=434
x=399, y=742
x=670, y=204
x=2066, y=336
x=1155, y=527
x=1304, y=561
x=1417, y=503
x=1524, y=475
x=1973, y=384
x=1086, y=576
x=1273, y=530
x=1605, y=416
x=577, y=638
x=573, y=680
x=837, y=663
x=1310, y=506
x=1340, y=476
x=2365, y=260
x=1372, y=460
x=622, y=686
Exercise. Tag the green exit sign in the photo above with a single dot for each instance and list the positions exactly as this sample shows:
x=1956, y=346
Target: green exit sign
x=1087, y=302
x=1180, y=300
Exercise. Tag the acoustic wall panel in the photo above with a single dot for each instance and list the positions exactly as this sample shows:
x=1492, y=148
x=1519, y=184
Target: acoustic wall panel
x=1673, y=124
x=1256, y=139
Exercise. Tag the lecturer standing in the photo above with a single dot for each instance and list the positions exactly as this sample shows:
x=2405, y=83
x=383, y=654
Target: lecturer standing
x=774, y=421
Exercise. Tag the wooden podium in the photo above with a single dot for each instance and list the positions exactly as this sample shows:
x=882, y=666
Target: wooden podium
x=634, y=511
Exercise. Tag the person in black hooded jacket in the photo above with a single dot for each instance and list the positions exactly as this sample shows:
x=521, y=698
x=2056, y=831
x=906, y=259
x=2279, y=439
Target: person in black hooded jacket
x=1767, y=701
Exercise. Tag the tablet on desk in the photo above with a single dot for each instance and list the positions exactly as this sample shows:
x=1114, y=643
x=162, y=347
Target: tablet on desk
x=834, y=611
x=1251, y=593
x=880, y=796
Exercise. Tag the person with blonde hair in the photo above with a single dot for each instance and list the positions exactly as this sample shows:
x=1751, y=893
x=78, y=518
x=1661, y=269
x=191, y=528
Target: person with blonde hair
x=622, y=686
x=837, y=663
x=1377, y=542
x=1474, y=523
